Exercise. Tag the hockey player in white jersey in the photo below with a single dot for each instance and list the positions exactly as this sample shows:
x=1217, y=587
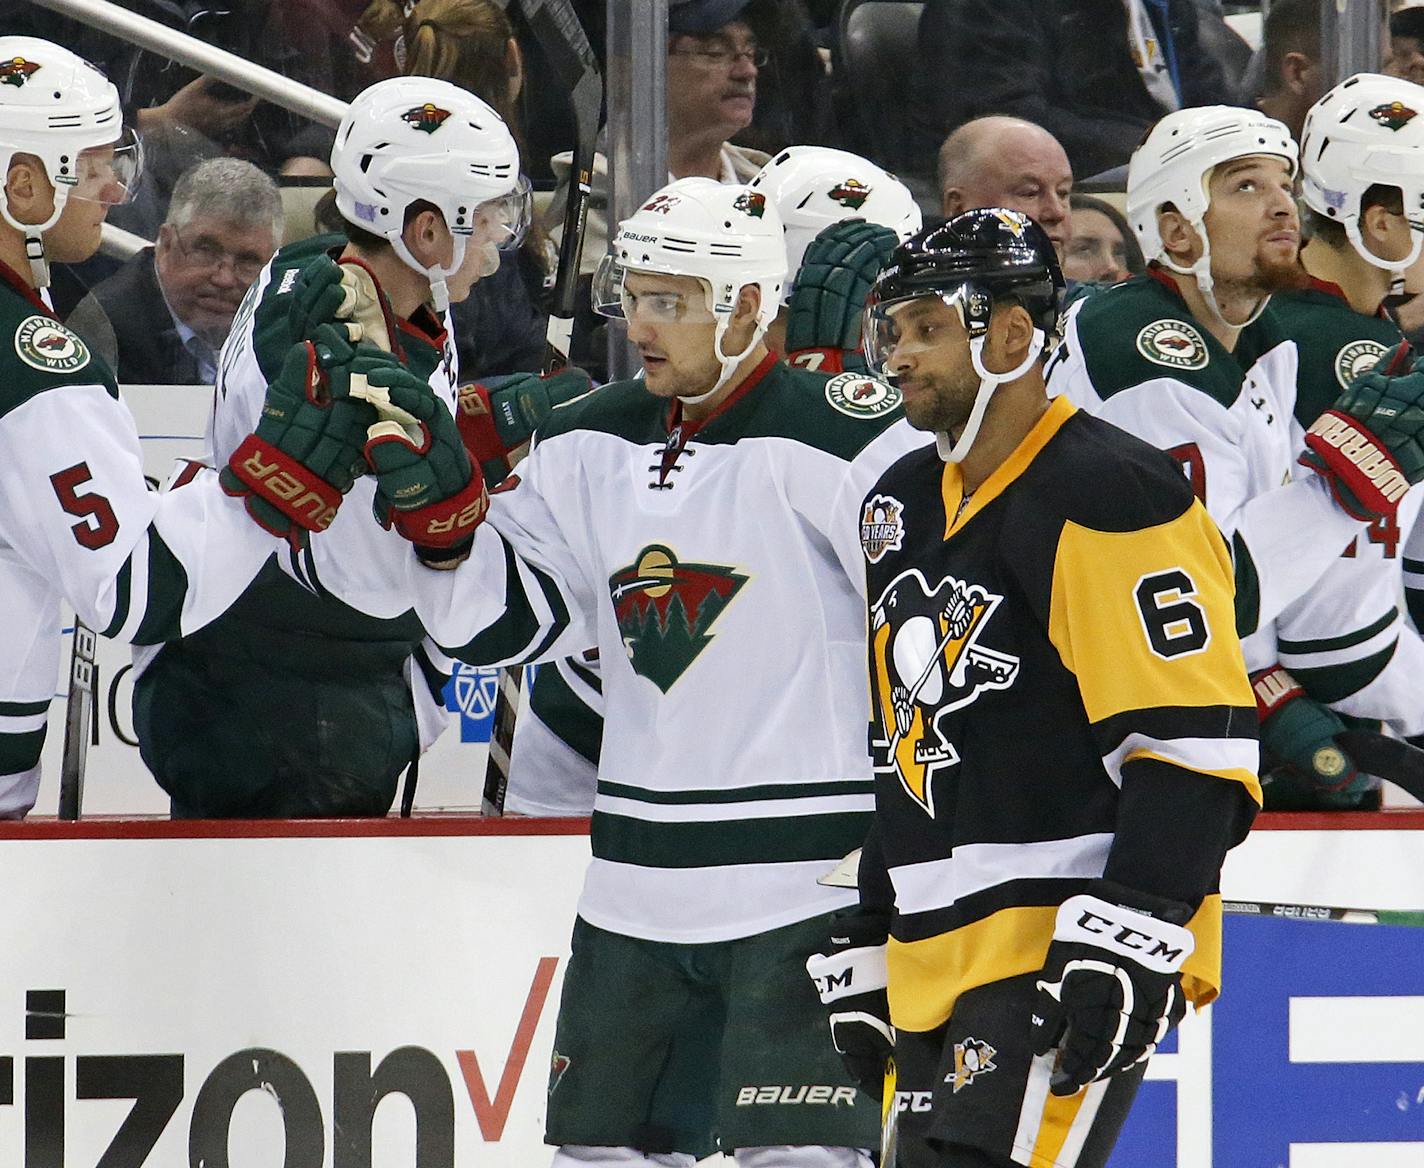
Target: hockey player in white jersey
x=700, y=526
x=1345, y=642
x=842, y=216
x=79, y=522
x=294, y=703
x=1184, y=358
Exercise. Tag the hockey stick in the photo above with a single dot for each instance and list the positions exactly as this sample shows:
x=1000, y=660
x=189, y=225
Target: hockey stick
x=557, y=29
x=78, y=710
x=1389, y=758
x=1323, y=912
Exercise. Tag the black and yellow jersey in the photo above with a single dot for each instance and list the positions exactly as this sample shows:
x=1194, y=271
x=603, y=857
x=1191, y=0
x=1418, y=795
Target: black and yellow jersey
x=1057, y=694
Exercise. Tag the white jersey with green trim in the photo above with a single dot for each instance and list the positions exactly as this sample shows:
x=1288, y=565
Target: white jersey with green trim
x=1134, y=355
x=553, y=765
x=718, y=571
x=257, y=344
x=79, y=523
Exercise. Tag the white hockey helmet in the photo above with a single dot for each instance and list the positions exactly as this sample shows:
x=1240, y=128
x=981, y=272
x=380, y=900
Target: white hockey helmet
x=1174, y=164
x=725, y=234
x=815, y=186
x=56, y=106
x=420, y=138
x=1368, y=130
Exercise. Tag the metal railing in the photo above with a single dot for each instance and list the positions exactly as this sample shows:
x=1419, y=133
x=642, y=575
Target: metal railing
x=187, y=50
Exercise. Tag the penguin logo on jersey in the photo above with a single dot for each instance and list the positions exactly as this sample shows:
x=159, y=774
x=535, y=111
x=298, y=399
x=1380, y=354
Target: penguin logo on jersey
x=928, y=662
x=1355, y=358
x=972, y=1058
x=666, y=608
x=427, y=118
x=882, y=526
x=43, y=343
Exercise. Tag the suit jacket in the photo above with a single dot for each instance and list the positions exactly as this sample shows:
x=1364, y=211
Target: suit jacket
x=126, y=320
x=1065, y=64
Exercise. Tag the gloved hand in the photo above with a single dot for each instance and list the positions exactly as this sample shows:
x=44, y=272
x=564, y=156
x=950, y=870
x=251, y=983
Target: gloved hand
x=501, y=413
x=1299, y=733
x=425, y=483
x=1370, y=446
x=308, y=447
x=1111, y=985
x=837, y=273
x=851, y=981
x=327, y=292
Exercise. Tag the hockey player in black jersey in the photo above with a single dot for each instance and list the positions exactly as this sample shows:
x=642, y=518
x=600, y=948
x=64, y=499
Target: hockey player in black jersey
x=1063, y=733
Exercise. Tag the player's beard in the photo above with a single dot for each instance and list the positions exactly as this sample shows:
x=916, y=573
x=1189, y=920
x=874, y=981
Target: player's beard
x=1280, y=275
x=942, y=406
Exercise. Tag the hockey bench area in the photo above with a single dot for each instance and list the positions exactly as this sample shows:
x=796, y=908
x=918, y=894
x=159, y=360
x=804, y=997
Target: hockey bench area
x=383, y=992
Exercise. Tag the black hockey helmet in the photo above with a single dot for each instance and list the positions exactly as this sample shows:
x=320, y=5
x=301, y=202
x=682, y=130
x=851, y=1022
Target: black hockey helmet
x=978, y=258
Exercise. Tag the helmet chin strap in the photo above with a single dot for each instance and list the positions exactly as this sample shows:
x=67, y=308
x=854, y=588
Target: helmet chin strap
x=729, y=363
x=1201, y=272
x=955, y=450
x=34, y=235
x=436, y=274
x=1396, y=268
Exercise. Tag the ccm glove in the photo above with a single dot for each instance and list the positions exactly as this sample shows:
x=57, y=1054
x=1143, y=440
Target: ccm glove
x=1299, y=732
x=500, y=414
x=308, y=448
x=1370, y=446
x=837, y=273
x=425, y=484
x=1111, y=986
x=851, y=981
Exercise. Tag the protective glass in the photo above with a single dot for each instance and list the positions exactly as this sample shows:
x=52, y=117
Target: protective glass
x=504, y=221
x=916, y=324
x=107, y=174
x=612, y=298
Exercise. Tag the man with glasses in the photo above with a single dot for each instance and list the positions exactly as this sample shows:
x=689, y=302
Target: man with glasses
x=163, y=316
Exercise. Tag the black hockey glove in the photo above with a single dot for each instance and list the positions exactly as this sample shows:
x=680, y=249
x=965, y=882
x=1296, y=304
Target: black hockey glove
x=426, y=485
x=1111, y=985
x=851, y=981
x=1370, y=446
x=837, y=273
x=1298, y=736
x=307, y=450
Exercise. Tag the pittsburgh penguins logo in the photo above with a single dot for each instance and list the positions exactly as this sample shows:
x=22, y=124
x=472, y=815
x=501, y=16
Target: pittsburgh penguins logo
x=666, y=608
x=751, y=203
x=972, y=1058
x=16, y=71
x=928, y=662
x=851, y=193
x=427, y=118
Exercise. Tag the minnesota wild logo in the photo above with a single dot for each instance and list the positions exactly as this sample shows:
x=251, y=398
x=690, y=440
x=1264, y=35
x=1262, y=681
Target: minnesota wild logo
x=852, y=193
x=665, y=610
x=16, y=71
x=1394, y=115
x=751, y=203
x=428, y=117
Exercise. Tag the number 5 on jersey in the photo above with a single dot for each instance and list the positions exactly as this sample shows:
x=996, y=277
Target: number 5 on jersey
x=1174, y=623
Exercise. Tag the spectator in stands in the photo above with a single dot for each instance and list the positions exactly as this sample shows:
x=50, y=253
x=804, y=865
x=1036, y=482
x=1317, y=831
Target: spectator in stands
x=163, y=316
x=1294, y=77
x=1008, y=162
x=1096, y=75
x=1406, y=45
x=1102, y=248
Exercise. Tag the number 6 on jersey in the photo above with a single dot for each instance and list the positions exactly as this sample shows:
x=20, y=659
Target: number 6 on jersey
x=1174, y=623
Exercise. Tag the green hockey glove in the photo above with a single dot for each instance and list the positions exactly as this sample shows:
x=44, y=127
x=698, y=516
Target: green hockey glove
x=329, y=292
x=426, y=485
x=1298, y=733
x=308, y=447
x=1370, y=446
x=828, y=297
x=500, y=414
x=851, y=979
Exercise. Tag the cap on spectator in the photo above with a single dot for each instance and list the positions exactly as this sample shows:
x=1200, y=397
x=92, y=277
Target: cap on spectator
x=1408, y=22
x=699, y=17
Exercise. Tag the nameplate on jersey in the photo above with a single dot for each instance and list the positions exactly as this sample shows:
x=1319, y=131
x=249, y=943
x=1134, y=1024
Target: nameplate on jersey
x=1355, y=358
x=929, y=661
x=44, y=344
x=1173, y=343
x=859, y=396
